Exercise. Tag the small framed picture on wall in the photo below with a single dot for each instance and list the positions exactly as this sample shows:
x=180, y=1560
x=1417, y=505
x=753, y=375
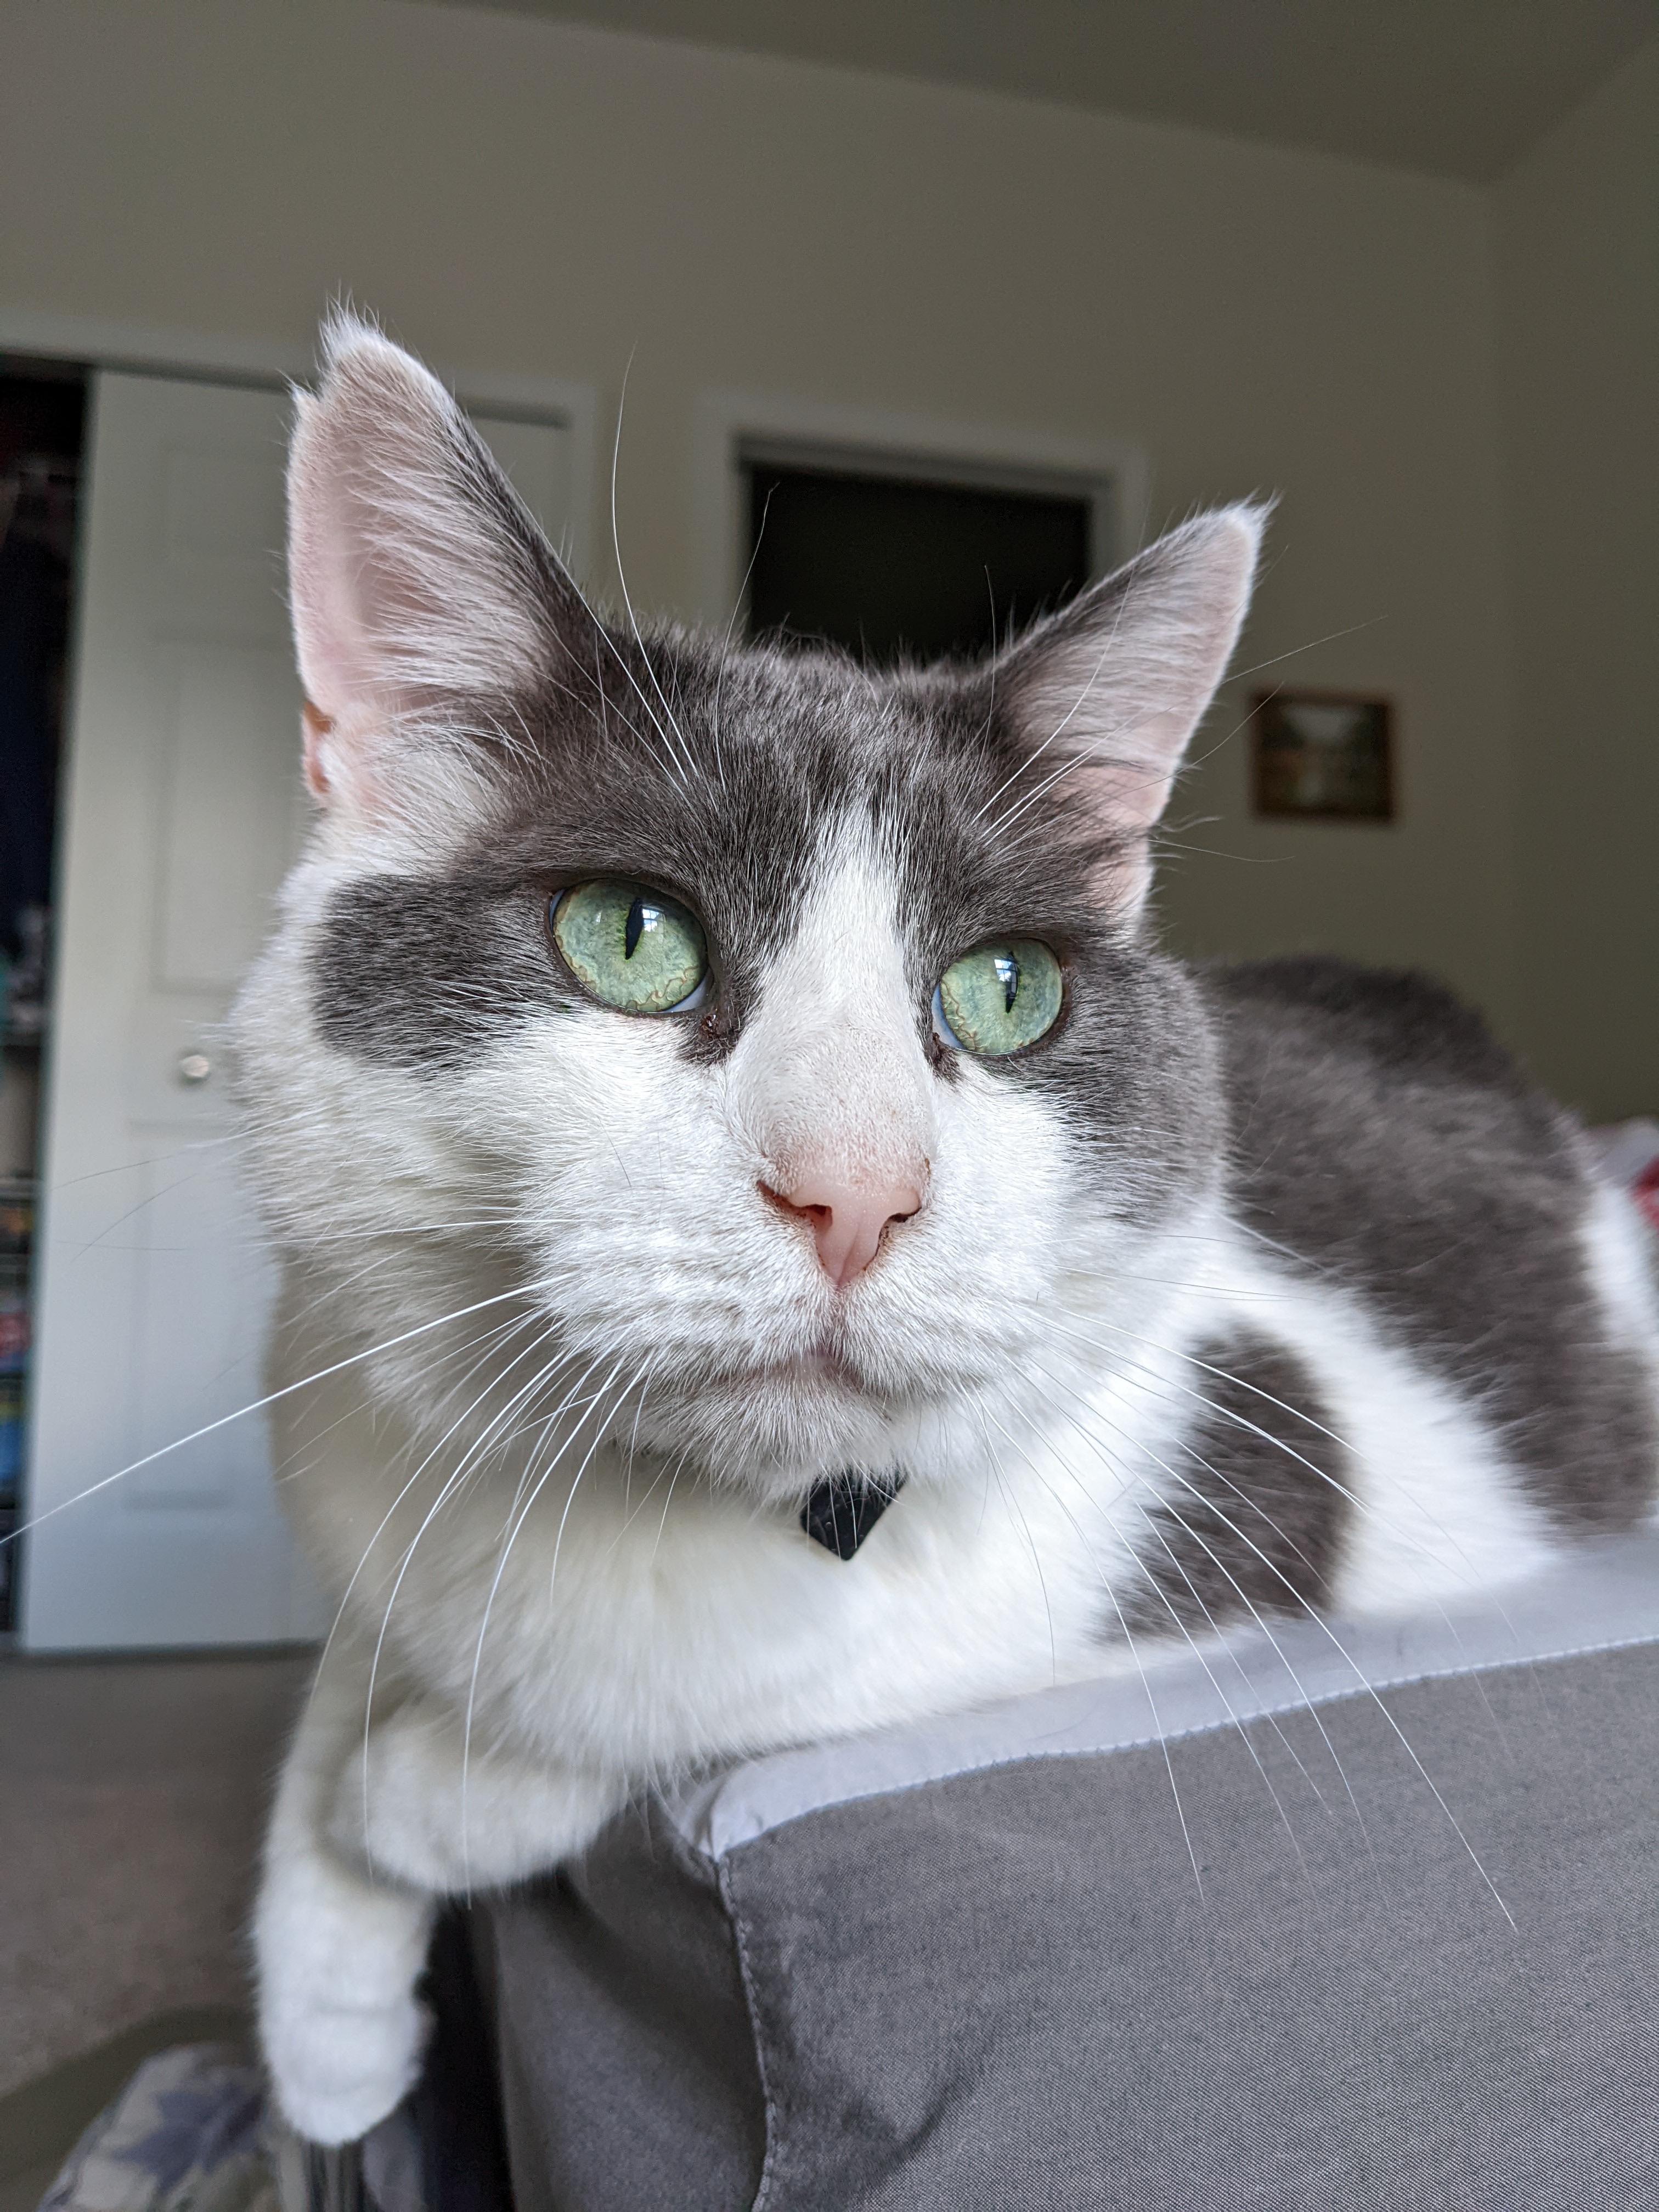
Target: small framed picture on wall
x=1322, y=756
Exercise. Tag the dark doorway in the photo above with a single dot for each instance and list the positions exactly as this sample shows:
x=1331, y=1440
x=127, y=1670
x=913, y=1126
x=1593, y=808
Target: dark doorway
x=896, y=568
x=42, y=410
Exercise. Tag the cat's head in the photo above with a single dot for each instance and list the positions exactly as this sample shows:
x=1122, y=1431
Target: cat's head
x=777, y=1041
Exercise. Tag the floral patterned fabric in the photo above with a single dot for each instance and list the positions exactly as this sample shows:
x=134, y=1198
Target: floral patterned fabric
x=187, y=2134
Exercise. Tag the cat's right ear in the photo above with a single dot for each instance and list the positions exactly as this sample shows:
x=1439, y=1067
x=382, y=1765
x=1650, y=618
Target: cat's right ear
x=417, y=577
x=1105, y=695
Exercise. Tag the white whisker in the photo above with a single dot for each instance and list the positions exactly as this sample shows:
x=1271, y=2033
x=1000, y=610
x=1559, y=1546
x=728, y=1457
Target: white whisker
x=495, y=1584
x=258, y=1404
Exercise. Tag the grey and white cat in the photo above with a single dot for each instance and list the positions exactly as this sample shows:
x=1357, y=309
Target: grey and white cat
x=700, y=1091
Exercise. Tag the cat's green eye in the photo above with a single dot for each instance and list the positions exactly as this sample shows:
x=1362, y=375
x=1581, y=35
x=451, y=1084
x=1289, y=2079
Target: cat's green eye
x=630, y=946
x=999, y=999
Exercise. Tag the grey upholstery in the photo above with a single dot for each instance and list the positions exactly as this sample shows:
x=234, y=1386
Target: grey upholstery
x=1403, y=1955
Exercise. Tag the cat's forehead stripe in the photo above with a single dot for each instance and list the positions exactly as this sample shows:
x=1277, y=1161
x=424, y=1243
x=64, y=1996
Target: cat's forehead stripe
x=790, y=767
x=424, y=972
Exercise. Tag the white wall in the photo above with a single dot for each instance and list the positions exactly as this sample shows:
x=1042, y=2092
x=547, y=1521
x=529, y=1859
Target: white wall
x=526, y=197
x=1578, y=235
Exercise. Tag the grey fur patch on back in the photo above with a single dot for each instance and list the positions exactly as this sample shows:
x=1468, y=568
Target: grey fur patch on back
x=1254, y=1510
x=1383, y=1139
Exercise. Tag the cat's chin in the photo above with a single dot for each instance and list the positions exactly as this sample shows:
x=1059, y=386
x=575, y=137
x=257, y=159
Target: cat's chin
x=776, y=1426
x=821, y=1368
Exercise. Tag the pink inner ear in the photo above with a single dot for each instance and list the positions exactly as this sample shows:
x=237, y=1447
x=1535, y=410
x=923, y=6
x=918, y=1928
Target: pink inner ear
x=316, y=726
x=374, y=421
x=330, y=639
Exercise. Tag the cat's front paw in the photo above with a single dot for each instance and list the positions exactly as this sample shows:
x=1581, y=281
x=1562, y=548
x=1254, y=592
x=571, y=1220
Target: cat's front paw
x=339, y=2070
x=341, y=2029
x=411, y=1807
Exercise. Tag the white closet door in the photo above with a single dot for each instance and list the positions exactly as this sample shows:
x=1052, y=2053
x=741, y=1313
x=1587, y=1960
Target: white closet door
x=183, y=807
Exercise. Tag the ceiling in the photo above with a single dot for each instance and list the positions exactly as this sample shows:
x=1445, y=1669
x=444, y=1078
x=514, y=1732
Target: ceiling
x=1459, y=88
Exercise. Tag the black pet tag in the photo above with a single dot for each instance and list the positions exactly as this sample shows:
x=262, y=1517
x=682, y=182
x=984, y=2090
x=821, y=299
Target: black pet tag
x=843, y=1509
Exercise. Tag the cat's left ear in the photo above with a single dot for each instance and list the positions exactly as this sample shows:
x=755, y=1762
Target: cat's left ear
x=1104, y=696
x=417, y=578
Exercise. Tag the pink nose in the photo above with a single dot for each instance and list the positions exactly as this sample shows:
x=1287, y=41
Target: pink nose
x=847, y=1219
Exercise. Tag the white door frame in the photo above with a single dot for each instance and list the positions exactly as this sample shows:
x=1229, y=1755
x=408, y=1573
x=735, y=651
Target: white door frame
x=268, y=366
x=270, y=361
x=732, y=429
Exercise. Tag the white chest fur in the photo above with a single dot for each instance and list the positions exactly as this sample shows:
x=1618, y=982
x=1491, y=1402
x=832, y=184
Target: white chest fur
x=625, y=1617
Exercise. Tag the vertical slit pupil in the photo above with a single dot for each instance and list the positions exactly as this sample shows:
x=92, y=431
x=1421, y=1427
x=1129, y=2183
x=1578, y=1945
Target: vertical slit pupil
x=1008, y=969
x=634, y=929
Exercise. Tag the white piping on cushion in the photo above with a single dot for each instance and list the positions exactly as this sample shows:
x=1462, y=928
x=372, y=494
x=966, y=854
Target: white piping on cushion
x=1604, y=1597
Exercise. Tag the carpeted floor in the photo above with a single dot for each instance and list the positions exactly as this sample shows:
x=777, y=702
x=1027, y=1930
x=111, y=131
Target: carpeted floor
x=132, y=1797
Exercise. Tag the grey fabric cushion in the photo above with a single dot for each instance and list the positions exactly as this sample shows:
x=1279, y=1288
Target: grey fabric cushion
x=627, y=2065
x=1396, y=1950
